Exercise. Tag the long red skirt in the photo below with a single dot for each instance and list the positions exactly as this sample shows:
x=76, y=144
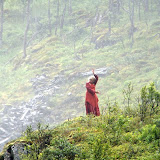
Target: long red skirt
x=92, y=110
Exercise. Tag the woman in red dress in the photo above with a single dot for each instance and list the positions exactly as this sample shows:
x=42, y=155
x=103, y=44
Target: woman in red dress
x=91, y=101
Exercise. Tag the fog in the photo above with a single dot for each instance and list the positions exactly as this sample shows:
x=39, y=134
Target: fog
x=49, y=47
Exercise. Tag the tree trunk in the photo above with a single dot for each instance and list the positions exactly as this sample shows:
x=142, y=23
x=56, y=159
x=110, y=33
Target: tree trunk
x=109, y=25
x=146, y=9
x=146, y=5
x=27, y=29
x=49, y=18
x=57, y=17
x=139, y=9
x=1, y=21
x=131, y=8
x=109, y=17
x=63, y=15
x=118, y=7
x=70, y=6
x=62, y=19
x=24, y=12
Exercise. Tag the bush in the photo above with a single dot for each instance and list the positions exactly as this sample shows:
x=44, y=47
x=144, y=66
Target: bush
x=38, y=140
x=61, y=149
x=150, y=101
x=100, y=149
x=1, y=157
x=150, y=133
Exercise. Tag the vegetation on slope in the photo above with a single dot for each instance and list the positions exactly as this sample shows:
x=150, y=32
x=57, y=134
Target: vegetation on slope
x=117, y=134
x=122, y=35
x=94, y=34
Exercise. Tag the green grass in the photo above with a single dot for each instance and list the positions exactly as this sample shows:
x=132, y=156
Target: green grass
x=111, y=136
x=126, y=63
x=54, y=55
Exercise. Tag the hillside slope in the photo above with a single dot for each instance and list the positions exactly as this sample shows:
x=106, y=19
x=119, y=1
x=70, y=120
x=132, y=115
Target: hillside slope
x=116, y=134
x=48, y=85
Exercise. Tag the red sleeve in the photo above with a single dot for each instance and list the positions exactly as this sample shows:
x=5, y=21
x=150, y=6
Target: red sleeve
x=89, y=89
x=96, y=78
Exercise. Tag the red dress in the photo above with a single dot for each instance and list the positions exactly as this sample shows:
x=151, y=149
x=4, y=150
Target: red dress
x=91, y=101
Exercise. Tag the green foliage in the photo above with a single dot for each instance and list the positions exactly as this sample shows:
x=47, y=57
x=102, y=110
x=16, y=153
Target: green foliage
x=127, y=93
x=113, y=135
x=85, y=25
x=150, y=133
x=100, y=148
x=1, y=157
x=150, y=100
x=110, y=136
x=61, y=149
x=38, y=140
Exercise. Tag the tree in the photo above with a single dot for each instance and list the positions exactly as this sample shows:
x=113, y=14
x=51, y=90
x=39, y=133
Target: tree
x=139, y=9
x=1, y=21
x=146, y=5
x=109, y=17
x=49, y=18
x=70, y=6
x=57, y=17
x=158, y=6
x=63, y=15
x=127, y=96
x=131, y=16
x=130, y=12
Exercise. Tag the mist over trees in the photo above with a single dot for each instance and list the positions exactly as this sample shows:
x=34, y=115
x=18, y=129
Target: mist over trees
x=47, y=50
x=37, y=19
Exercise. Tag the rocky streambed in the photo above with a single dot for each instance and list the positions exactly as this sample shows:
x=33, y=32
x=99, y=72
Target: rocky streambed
x=14, y=119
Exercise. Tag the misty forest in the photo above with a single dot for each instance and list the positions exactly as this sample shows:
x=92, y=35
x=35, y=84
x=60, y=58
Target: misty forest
x=49, y=48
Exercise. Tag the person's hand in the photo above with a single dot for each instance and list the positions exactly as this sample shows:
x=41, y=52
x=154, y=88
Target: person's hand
x=93, y=71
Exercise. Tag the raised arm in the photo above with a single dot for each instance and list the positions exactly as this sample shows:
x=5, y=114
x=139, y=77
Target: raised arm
x=95, y=76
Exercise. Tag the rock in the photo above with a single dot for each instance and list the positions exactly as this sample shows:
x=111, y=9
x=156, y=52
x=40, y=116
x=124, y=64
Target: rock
x=59, y=79
x=7, y=108
x=16, y=118
x=2, y=131
x=4, y=141
x=15, y=151
x=7, y=156
x=25, y=114
x=18, y=150
x=100, y=71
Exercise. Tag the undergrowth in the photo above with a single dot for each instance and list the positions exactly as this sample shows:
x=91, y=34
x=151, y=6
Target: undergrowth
x=116, y=134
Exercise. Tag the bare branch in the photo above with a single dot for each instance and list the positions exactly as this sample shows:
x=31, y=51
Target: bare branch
x=33, y=36
x=158, y=34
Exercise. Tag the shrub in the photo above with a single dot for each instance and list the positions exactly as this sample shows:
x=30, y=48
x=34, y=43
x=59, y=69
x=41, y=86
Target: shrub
x=127, y=98
x=39, y=140
x=150, y=133
x=100, y=148
x=150, y=101
x=61, y=149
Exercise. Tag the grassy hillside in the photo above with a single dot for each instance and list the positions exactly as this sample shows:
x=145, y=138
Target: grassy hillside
x=95, y=34
x=54, y=55
x=116, y=134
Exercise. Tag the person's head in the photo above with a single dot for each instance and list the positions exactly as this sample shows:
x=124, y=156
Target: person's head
x=92, y=79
